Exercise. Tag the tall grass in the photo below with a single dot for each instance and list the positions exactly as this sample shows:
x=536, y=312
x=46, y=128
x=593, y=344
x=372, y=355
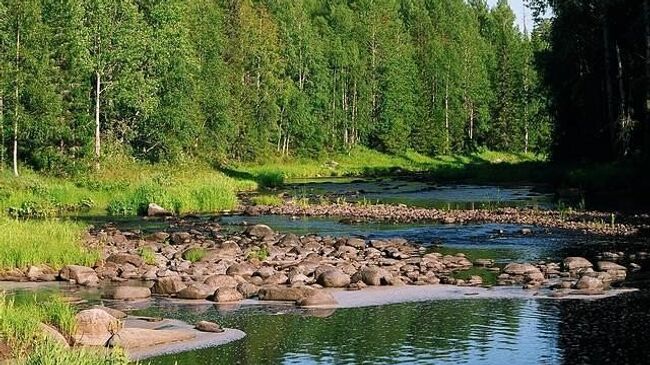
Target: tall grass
x=36, y=242
x=361, y=161
x=121, y=188
x=20, y=318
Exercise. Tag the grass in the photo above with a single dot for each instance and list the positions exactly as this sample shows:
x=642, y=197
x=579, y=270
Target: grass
x=148, y=255
x=489, y=277
x=362, y=161
x=20, y=318
x=121, y=188
x=35, y=242
x=194, y=254
x=268, y=200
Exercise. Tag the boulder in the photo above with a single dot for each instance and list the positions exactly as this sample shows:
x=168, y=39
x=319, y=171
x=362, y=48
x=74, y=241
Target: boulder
x=576, y=263
x=276, y=279
x=283, y=294
x=113, y=312
x=241, y=269
x=125, y=258
x=227, y=295
x=248, y=290
x=126, y=293
x=616, y=271
x=94, y=327
x=35, y=273
x=205, y=326
x=195, y=291
x=264, y=272
x=155, y=210
x=220, y=281
x=130, y=338
x=260, y=231
x=317, y=298
x=589, y=283
x=81, y=275
x=519, y=269
x=179, y=238
x=168, y=285
x=357, y=243
x=53, y=334
x=334, y=278
x=375, y=276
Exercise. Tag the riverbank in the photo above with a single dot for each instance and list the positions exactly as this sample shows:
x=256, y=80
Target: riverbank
x=586, y=221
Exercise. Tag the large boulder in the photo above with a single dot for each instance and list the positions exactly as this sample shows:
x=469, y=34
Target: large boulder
x=40, y=273
x=283, y=294
x=248, y=290
x=220, y=281
x=168, y=285
x=260, y=231
x=375, y=276
x=317, y=298
x=590, y=283
x=227, y=295
x=526, y=273
x=130, y=338
x=81, y=275
x=155, y=210
x=205, y=326
x=53, y=335
x=574, y=264
x=126, y=293
x=334, y=278
x=125, y=258
x=195, y=291
x=241, y=269
x=616, y=271
x=94, y=327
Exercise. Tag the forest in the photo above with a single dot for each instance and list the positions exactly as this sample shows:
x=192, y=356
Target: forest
x=243, y=79
x=240, y=80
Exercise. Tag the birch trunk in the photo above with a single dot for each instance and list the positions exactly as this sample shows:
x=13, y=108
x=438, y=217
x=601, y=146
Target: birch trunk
x=17, y=89
x=98, y=138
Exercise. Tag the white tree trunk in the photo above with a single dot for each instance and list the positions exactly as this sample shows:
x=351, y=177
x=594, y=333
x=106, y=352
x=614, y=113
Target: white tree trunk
x=15, y=149
x=98, y=140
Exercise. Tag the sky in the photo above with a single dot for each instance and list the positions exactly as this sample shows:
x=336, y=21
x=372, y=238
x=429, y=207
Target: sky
x=518, y=7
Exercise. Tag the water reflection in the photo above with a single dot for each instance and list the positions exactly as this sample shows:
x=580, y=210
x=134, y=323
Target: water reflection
x=421, y=193
x=446, y=332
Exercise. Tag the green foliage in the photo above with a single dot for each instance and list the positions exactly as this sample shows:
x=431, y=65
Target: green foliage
x=194, y=254
x=176, y=80
x=148, y=255
x=20, y=317
x=260, y=254
x=489, y=277
x=267, y=200
x=38, y=242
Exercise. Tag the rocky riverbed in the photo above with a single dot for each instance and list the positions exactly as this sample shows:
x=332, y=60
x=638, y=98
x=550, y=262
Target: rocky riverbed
x=198, y=260
x=603, y=223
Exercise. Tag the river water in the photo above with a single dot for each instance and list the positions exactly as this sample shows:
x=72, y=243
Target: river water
x=468, y=331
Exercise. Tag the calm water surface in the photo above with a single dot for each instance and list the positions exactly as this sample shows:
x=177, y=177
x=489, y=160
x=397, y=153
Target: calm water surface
x=470, y=331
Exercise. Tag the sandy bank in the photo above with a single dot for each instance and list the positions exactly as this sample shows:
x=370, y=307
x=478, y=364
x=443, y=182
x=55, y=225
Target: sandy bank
x=201, y=341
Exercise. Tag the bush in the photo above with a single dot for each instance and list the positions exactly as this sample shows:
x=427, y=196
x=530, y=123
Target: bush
x=148, y=255
x=268, y=200
x=194, y=254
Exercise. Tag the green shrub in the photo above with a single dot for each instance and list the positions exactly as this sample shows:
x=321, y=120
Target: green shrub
x=194, y=254
x=260, y=254
x=148, y=255
x=20, y=318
